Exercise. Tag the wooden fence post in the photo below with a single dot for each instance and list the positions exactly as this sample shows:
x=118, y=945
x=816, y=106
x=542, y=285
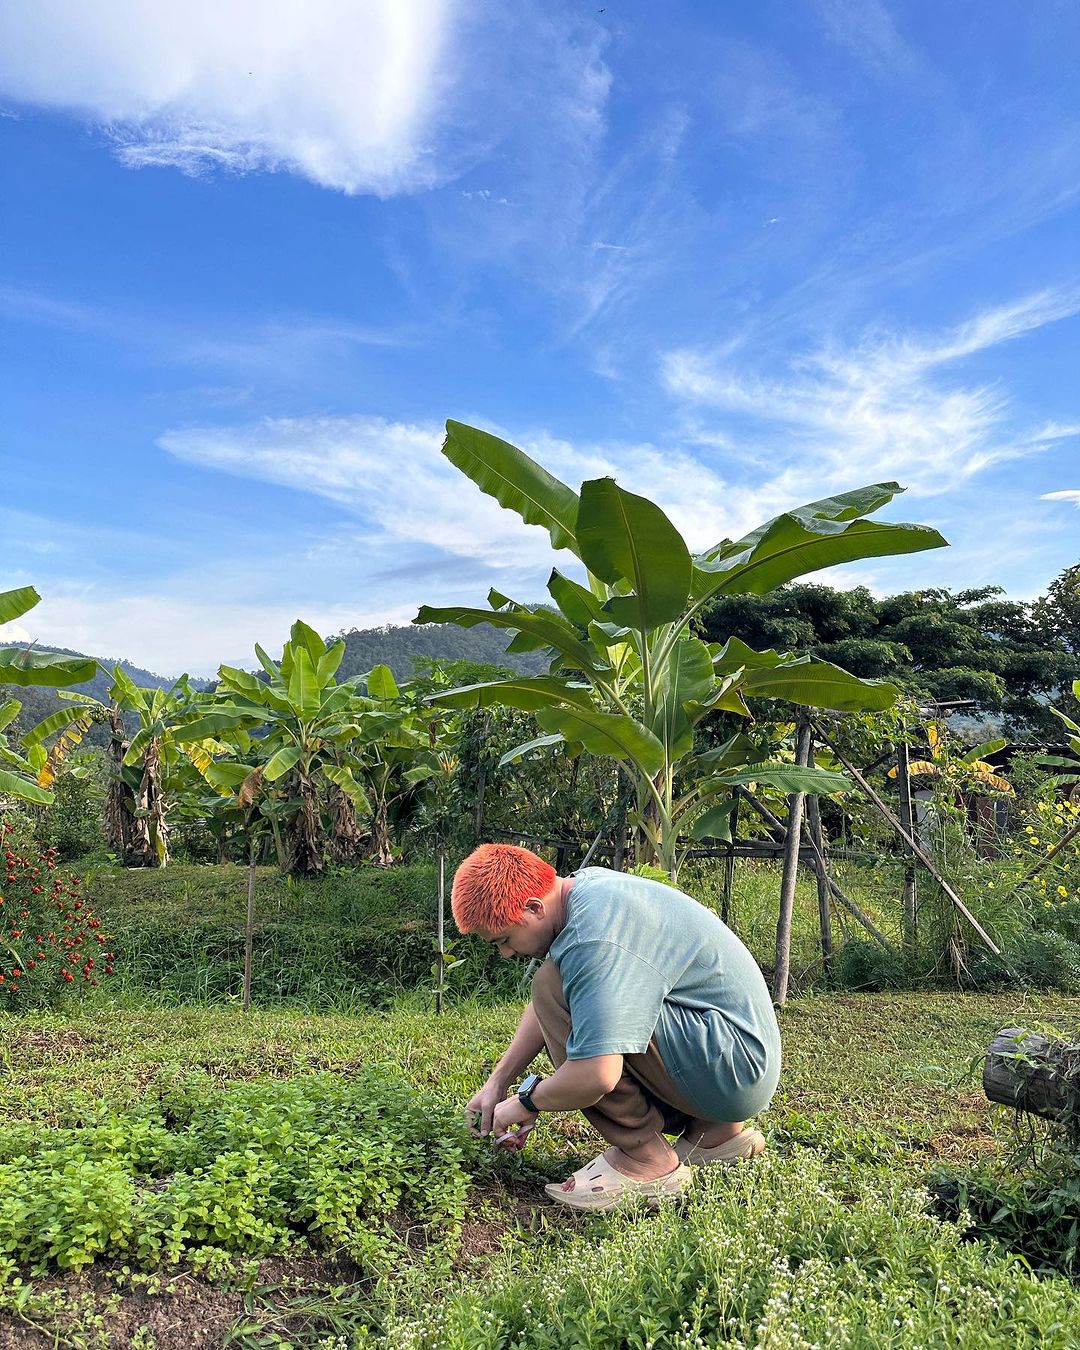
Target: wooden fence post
x=441, y=933
x=916, y=848
x=249, y=925
x=907, y=819
x=821, y=872
x=729, y=866
x=790, y=871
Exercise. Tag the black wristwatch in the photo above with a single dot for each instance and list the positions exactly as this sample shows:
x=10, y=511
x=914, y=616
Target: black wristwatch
x=525, y=1091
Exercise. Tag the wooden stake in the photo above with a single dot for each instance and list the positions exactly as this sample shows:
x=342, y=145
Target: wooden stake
x=824, y=896
x=729, y=866
x=442, y=933
x=914, y=846
x=907, y=819
x=789, y=875
x=249, y=928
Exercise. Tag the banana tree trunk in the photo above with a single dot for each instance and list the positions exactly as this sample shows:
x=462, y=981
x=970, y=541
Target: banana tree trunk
x=149, y=832
x=382, y=851
x=346, y=837
x=118, y=820
x=303, y=832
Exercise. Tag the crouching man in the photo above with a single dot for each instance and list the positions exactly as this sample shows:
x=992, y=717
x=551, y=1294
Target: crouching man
x=655, y=1016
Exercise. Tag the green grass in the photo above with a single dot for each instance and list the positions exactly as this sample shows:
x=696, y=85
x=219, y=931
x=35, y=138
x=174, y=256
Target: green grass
x=825, y=1244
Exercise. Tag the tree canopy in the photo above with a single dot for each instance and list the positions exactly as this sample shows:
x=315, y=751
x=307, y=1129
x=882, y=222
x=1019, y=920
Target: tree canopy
x=1011, y=659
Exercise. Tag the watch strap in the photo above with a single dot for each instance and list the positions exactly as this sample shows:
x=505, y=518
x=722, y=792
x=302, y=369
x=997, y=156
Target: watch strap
x=524, y=1092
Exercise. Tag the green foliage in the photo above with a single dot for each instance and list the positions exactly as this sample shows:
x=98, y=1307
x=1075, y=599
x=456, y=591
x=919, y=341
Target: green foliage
x=794, y=1251
x=356, y=937
x=342, y=1163
x=860, y=964
x=1036, y=1214
x=73, y=823
x=1039, y=960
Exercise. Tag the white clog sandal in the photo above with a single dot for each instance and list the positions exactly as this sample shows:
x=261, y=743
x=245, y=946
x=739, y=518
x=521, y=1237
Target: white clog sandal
x=740, y=1147
x=598, y=1185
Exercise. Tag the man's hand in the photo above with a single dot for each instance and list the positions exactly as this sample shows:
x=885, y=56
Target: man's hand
x=480, y=1109
x=508, y=1114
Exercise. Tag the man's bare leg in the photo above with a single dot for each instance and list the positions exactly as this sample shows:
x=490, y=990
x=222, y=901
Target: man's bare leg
x=646, y=1162
x=711, y=1133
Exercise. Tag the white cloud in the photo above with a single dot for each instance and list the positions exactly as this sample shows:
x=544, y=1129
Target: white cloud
x=1066, y=495
x=880, y=408
x=866, y=28
x=13, y=632
x=345, y=94
x=393, y=477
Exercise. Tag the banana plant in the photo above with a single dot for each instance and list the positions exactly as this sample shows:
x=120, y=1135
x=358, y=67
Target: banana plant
x=628, y=678
x=971, y=767
x=20, y=774
x=306, y=725
x=145, y=768
x=397, y=751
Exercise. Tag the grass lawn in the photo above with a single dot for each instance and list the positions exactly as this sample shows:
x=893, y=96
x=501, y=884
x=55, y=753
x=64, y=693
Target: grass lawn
x=823, y=1242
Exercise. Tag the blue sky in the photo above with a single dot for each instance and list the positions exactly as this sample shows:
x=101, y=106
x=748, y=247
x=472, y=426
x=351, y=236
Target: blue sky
x=252, y=256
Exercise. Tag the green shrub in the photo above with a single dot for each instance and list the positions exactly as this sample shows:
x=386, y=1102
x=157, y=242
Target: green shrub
x=348, y=1163
x=1042, y=960
x=1036, y=1215
x=865, y=965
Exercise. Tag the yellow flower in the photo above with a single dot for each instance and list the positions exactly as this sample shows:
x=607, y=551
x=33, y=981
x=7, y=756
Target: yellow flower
x=1034, y=838
x=1063, y=890
x=1048, y=904
x=989, y=885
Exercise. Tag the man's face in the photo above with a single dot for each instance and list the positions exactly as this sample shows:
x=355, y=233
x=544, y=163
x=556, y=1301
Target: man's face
x=530, y=936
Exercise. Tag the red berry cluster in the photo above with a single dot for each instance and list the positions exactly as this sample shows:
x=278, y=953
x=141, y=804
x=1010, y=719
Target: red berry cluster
x=50, y=937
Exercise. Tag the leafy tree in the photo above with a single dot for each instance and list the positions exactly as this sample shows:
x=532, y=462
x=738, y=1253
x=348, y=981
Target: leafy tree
x=935, y=644
x=628, y=679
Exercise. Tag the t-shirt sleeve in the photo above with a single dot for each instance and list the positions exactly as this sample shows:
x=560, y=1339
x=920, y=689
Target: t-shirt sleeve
x=614, y=996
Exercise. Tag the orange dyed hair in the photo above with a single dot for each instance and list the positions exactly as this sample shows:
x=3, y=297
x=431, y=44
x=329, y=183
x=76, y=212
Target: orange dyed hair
x=492, y=884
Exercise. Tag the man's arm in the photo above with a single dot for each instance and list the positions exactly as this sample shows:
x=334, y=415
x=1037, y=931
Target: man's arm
x=519, y=1054
x=578, y=1083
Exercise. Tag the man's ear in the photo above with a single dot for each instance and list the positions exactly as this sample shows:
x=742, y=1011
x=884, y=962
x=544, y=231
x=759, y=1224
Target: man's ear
x=535, y=906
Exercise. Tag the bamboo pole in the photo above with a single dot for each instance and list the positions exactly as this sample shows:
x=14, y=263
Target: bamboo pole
x=824, y=896
x=914, y=846
x=729, y=867
x=789, y=874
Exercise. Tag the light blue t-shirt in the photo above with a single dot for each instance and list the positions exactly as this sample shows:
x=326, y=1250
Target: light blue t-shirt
x=639, y=959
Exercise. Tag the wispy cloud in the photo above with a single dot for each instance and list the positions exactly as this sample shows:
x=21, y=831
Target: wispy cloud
x=867, y=30
x=880, y=408
x=1065, y=495
x=344, y=94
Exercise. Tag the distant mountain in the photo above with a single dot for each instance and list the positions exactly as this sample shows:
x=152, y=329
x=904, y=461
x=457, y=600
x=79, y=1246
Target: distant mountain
x=401, y=646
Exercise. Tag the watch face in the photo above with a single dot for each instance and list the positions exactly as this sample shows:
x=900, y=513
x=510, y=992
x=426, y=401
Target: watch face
x=529, y=1082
